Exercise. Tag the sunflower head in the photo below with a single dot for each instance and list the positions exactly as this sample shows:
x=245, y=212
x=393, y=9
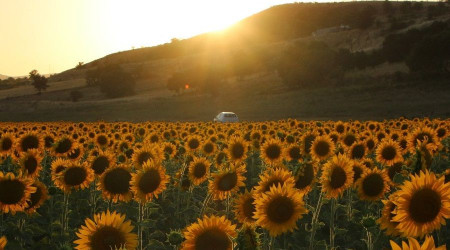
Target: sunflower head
x=272, y=177
x=75, y=176
x=149, y=182
x=422, y=205
x=30, y=162
x=29, y=141
x=322, y=148
x=414, y=244
x=388, y=152
x=305, y=177
x=279, y=209
x=209, y=233
x=199, y=170
x=373, y=184
x=244, y=208
x=101, y=161
x=237, y=149
x=6, y=143
x=337, y=176
x=107, y=231
x=115, y=184
x=37, y=198
x=15, y=192
x=227, y=181
x=271, y=151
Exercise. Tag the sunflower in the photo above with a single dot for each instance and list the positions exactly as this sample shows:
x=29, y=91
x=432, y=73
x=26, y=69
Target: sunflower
x=271, y=151
x=394, y=170
x=358, y=170
x=422, y=134
x=293, y=152
x=322, y=148
x=306, y=142
x=63, y=146
x=6, y=144
x=107, y=231
x=388, y=152
x=337, y=176
x=208, y=148
x=101, y=140
x=149, y=182
x=357, y=151
x=30, y=163
x=370, y=143
x=169, y=150
x=76, y=153
x=193, y=142
x=3, y=242
x=373, y=184
x=244, y=208
x=58, y=165
x=115, y=184
x=29, y=141
x=237, y=149
x=220, y=159
x=37, y=198
x=305, y=177
x=101, y=161
x=209, y=233
x=147, y=152
x=74, y=176
x=273, y=177
x=14, y=192
x=348, y=139
x=385, y=221
x=279, y=209
x=422, y=205
x=413, y=244
x=227, y=181
x=199, y=170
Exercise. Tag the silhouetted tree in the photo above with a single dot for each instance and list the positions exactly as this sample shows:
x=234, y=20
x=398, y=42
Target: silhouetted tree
x=38, y=81
x=80, y=65
x=75, y=95
x=115, y=82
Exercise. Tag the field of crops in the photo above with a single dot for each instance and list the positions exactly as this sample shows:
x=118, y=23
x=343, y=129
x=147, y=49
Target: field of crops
x=253, y=185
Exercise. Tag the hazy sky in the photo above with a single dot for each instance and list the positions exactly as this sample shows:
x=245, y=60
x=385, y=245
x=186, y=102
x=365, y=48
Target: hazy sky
x=53, y=35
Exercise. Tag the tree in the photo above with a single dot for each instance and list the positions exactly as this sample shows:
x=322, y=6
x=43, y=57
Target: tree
x=80, y=65
x=115, y=82
x=38, y=81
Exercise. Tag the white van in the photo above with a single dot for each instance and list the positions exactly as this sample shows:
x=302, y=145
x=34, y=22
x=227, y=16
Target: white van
x=226, y=117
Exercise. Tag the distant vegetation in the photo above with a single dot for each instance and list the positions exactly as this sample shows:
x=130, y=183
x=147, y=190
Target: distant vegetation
x=38, y=81
x=112, y=80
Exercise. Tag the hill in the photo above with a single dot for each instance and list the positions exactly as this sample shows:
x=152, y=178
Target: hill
x=303, y=60
x=3, y=77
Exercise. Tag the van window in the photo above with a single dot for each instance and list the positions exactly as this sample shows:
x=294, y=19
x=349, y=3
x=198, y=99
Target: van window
x=230, y=115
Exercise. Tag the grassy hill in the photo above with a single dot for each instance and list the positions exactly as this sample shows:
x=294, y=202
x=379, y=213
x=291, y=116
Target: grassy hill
x=240, y=70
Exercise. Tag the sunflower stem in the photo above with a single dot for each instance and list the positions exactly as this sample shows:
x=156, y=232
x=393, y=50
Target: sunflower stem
x=272, y=242
x=140, y=229
x=349, y=204
x=228, y=206
x=65, y=213
x=332, y=215
x=205, y=203
x=314, y=220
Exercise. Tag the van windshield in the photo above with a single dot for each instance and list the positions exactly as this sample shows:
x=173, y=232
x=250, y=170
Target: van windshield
x=230, y=115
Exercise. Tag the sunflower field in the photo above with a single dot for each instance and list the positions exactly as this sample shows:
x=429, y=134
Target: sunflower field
x=285, y=184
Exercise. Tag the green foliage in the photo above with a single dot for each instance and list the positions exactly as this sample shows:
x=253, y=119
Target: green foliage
x=112, y=80
x=38, y=81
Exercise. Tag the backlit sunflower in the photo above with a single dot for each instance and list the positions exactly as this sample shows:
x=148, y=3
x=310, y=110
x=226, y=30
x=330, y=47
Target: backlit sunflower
x=357, y=151
x=305, y=177
x=279, y=209
x=370, y=143
x=3, y=242
x=337, y=176
x=101, y=161
x=169, y=150
x=220, y=159
x=388, y=152
x=394, y=170
x=107, y=231
x=306, y=142
x=273, y=177
x=145, y=153
x=322, y=148
x=63, y=146
x=208, y=148
x=271, y=151
x=101, y=140
x=385, y=221
x=422, y=134
x=358, y=170
x=423, y=204
x=292, y=152
x=237, y=149
x=348, y=139
x=6, y=143
x=76, y=153
x=75, y=176
x=373, y=184
x=30, y=162
x=14, y=192
x=148, y=182
x=209, y=233
x=244, y=208
x=199, y=170
x=227, y=181
x=115, y=184
x=413, y=244
x=58, y=165
x=29, y=141
x=37, y=198
x=193, y=143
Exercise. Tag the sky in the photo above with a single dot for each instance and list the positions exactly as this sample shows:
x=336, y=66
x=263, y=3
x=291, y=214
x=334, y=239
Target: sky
x=54, y=35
